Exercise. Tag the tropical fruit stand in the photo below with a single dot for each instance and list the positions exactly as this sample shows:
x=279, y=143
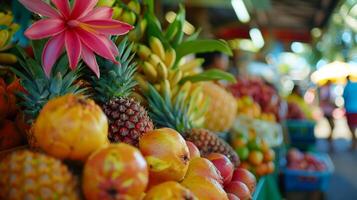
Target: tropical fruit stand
x=101, y=100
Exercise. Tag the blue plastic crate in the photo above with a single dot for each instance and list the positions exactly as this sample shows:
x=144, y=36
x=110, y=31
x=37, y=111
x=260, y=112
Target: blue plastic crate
x=301, y=133
x=301, y=180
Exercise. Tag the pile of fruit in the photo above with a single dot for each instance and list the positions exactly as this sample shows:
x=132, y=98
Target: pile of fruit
x=109, y=117
x=297, y=160
x=254, y=153
x=248, y=107
x=261, y=93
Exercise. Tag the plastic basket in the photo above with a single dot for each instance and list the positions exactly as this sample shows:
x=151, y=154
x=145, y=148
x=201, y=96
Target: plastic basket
x=301, y=133
x=301, y=180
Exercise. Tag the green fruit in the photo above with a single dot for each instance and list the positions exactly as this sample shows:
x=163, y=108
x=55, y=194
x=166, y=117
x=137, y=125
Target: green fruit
x=117, y=12
x=243, y=153
x=108, y=3
x=254, y=144
x=129, y=17
x=134, y=6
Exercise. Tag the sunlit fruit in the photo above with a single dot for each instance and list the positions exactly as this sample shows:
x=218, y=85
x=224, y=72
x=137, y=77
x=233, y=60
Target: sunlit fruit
x=205, y=168
x=242, y=152
x=264, y=146
x=245, y=165
x=170, y=190
x=71, y=127
x=166, y=153
x=246, y=177
x=223, y=164
x=239, y=189
x=194, y=151
x=205, y=188
x=255, y=157
x=254, y=144
x=269, y=155
x=118, y=171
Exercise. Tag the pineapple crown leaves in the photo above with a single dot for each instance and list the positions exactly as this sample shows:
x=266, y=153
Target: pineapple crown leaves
x=116, y=79
x=39, y=88
x=164, y=114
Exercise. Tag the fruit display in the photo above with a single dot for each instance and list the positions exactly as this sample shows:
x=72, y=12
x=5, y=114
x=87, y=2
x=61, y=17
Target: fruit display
x=297, y=160
x=255, y=153
x=8, y=29
x=261, y=93
x=125, y=115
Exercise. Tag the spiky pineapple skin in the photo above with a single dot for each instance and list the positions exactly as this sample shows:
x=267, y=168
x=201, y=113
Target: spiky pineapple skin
x=30, y=175
x=222, y=110
x=208, y=142
x=128, y=120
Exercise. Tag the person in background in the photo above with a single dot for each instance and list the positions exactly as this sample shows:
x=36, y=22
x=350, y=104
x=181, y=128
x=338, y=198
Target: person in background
x=350, y=97
x=327, y=106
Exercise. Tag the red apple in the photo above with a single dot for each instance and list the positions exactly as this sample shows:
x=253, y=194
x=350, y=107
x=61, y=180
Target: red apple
x=239, y=189
x=223, y=164
x=246, y=177
x=232, y=196
x=192, y=148
x=294, y=155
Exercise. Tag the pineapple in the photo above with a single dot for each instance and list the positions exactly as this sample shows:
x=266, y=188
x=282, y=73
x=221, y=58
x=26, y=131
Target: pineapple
x=128, y=120
x=164, y=114
x=39, y=89
x=222, y=110
x=29, y=175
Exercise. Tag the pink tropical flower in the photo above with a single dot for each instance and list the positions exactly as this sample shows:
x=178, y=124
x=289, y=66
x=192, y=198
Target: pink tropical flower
x=82, y=30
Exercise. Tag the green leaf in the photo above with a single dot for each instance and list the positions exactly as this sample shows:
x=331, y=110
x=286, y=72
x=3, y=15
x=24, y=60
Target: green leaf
x=150, y=5
x=201, y=46
x=194, y=36
x=37, y=46
x=210, y=75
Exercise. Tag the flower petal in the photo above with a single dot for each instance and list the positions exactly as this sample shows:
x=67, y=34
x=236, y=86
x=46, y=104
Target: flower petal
x=63, y=6
x=98, y=13
x=89, y=58
x=40, y=7
x=73, y=47
x=96, y=43
x=113, y=48
x=82, y=7
x=51, y=52
x=109, y=27
x=45, y=28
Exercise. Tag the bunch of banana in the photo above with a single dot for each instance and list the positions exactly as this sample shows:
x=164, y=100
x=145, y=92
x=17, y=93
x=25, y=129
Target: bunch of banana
x=156, y=66
x=7, y=30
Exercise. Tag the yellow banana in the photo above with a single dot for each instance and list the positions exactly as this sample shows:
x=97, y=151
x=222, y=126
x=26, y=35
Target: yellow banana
x=143, y=51
x=166, y=89
x=162, y=71
x=191, y=101
x=176, y=77
x=7, y=58
x=4, y=37
x=143, y=25
x=143, y=84
x=170, y=57
x=158, y=87
x=134, y=6
x=155, y=60
x=150, y=71
x=191, y=64
x=184, y=90
x=157, y=47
